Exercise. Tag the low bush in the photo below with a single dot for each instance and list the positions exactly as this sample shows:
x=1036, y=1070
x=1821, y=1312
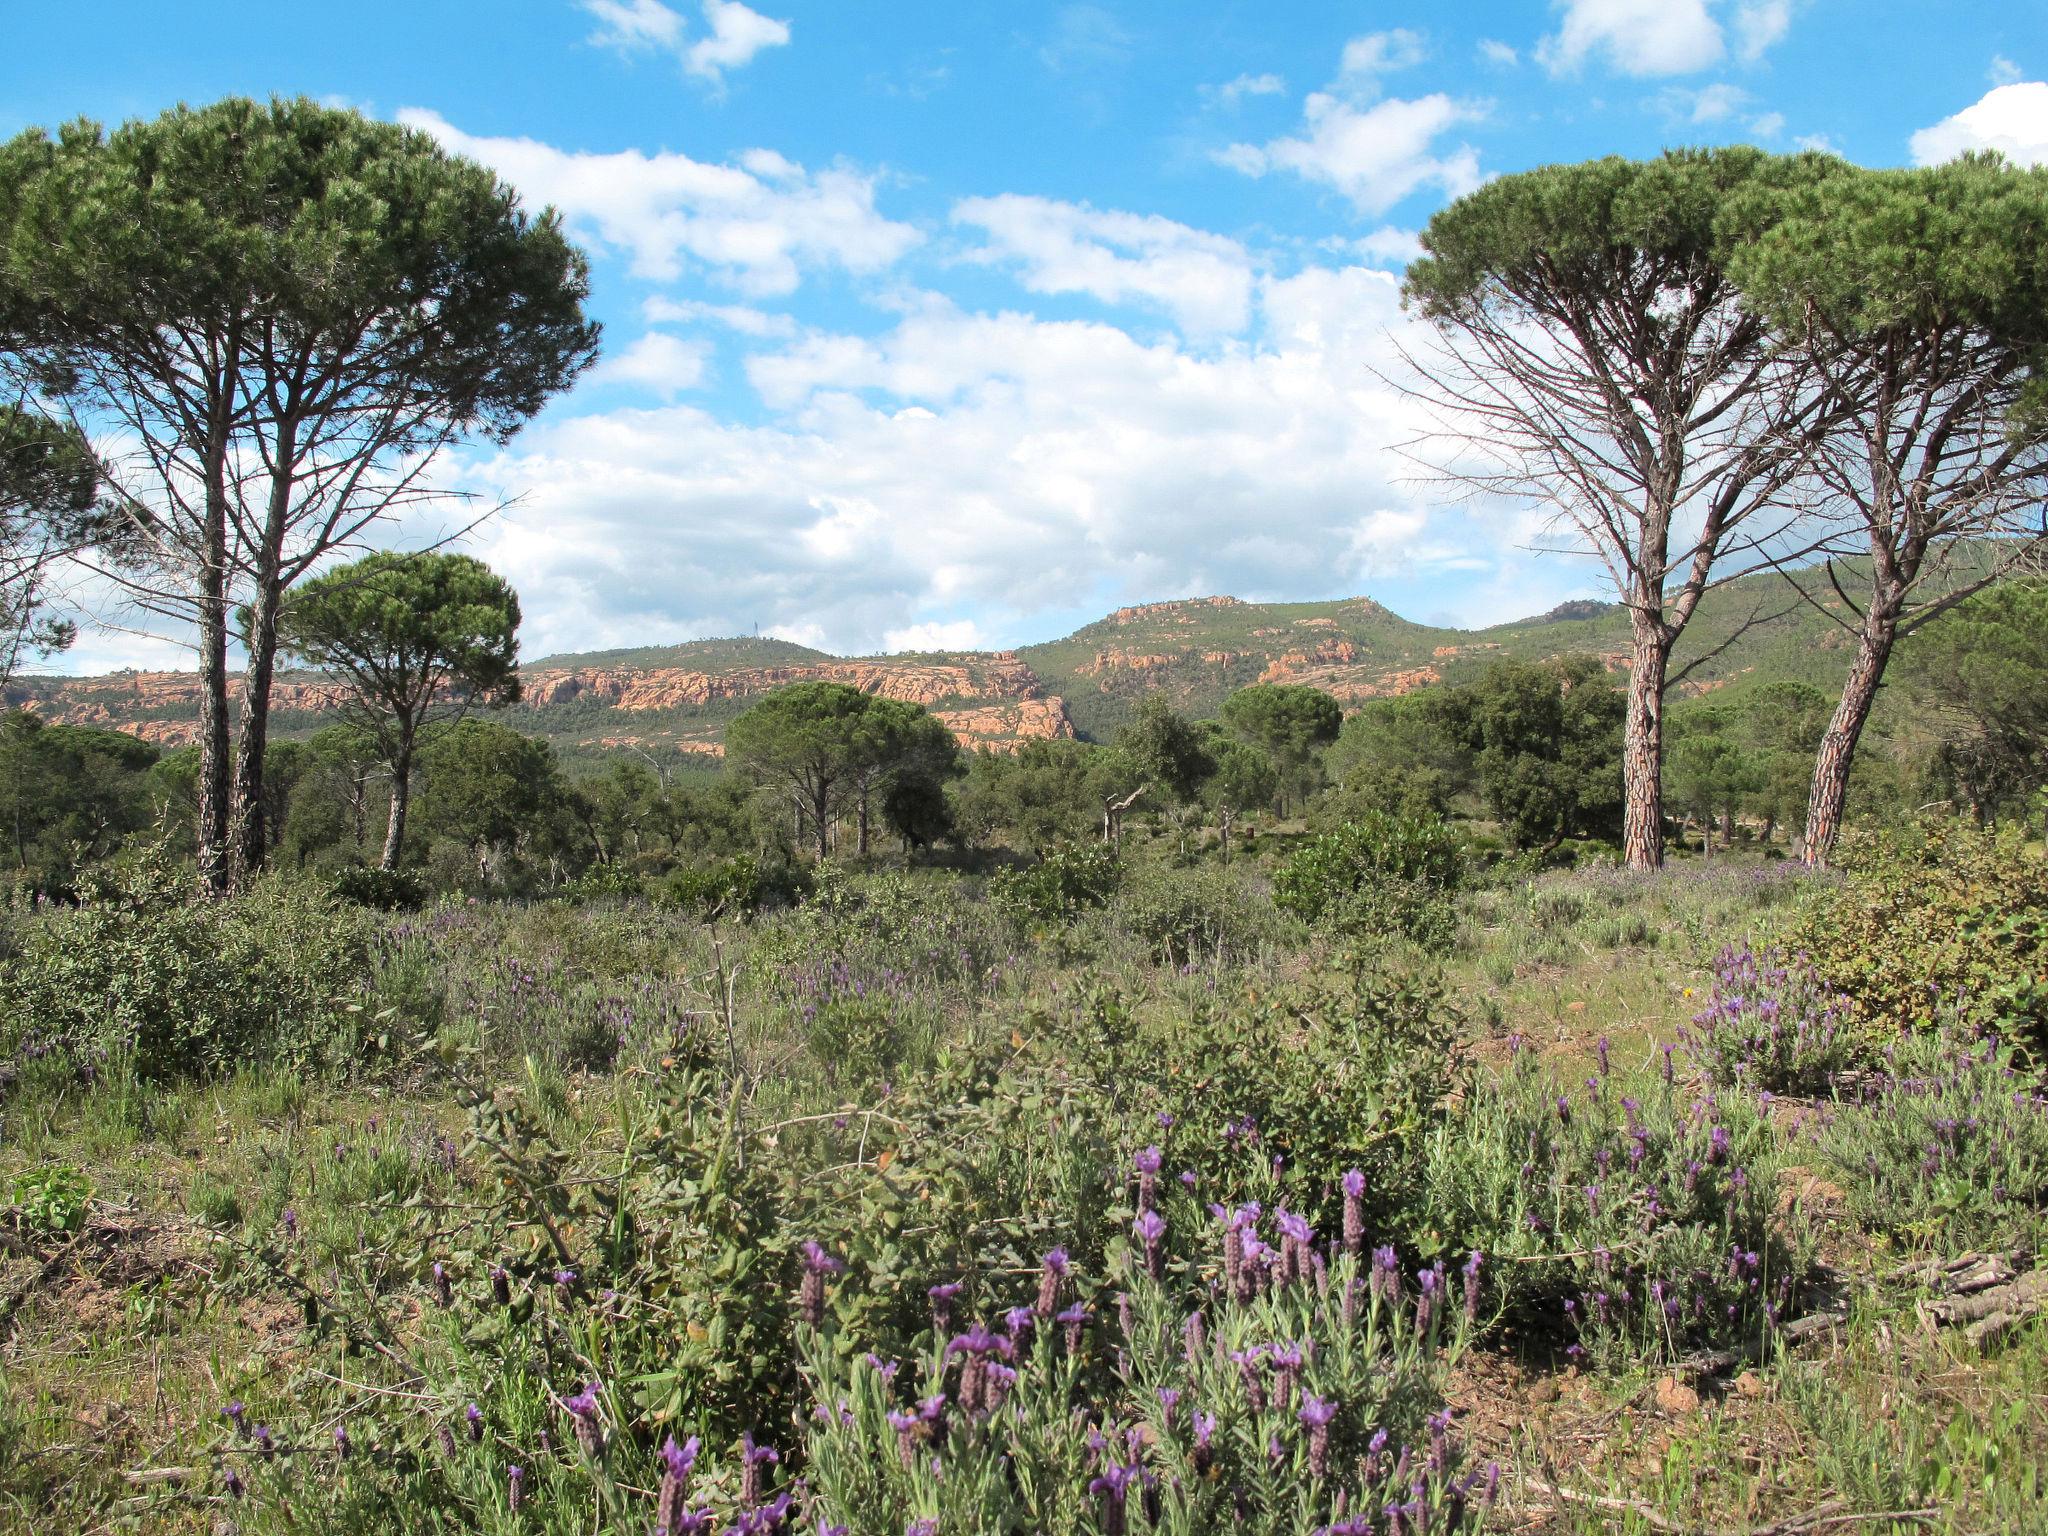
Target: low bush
x=1934, y=922
x=1947, y=1146
x=1636, y=1220
x=1068, y=880
x=1770, y=1023
x=740, y=886
x=49, y=1202
x=383, y=890
x=1381, y=875
x=175, y=986
x=1187, y=916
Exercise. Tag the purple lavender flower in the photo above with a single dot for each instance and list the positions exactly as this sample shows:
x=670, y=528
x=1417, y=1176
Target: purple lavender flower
x=1317, y=1413
x=1073, y=1320
x=1151, y=1228
x=1052, y=1271
x=1354, y=1212
x=515, y=1485
x=941, y=1298
x=473, y=1416
x=238, y=1416
x=669, y=1503
x=811, y=1291
x=752, y=1458
x=501, y=1285
x=341, y=1445
x=585, y=1420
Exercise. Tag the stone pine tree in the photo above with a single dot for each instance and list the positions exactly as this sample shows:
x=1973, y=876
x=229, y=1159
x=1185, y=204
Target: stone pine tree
x=50, y=508
x=285, y=310
x=1922, y=299
x=418, y=640
x=834, y=750
x=1294, y=725
x=1592, y=356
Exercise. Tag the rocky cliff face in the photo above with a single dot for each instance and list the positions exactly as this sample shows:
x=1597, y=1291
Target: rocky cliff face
x=993, y=701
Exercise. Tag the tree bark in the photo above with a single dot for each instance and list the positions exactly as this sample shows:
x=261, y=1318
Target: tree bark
x=401, y=803
x=1830, y=793
x=214, y=747
x=1642, y=745
x=248, y=841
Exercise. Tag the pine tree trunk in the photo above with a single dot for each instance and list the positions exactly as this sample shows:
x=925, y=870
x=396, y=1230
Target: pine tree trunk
x=1830, y=793
x=214, y=745
x=248, y=835
x=1642, y=746
x=401, y=803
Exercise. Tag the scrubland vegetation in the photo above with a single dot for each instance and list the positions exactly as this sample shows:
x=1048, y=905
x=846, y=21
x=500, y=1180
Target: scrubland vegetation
x=1512, y=1106
x=1118, y=1194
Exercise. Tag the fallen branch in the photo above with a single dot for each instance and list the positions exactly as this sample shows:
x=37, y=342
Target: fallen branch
x=1989, y=1312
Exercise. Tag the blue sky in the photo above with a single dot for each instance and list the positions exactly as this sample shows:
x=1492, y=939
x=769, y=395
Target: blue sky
x=956, y=324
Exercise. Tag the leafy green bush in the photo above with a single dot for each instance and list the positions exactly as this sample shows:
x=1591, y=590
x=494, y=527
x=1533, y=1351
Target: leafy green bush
x=1185, y=916
x=1381, y=875
x=1948, y=1145
x=178, y=986
x=382, y=890
x=739, y=886
x=50, y=1202
x=1638, y=1221
x=1068, y=880
x=1935, y=922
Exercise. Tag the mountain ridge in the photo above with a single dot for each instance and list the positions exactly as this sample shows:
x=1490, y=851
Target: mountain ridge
x=1195, y=650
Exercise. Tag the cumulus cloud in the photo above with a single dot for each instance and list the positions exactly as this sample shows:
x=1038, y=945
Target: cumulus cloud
x=936, y=635
x=657, y=362
x=734, y=35
x=1375, y=155
x=1377, y=53
x=742, y=318
x=2003, y=71
x=1492, y=50
x=1636, y=37
x=1204, y=281
x=757, y=225
x=1231, y=92
x=632, y=25
x=1389, y=246
x=988, y=469
x=1760, y=25
x=1373, y=150
x=737, y=34
x=1768, y=126
x=1709, y=104
x=2012, y=119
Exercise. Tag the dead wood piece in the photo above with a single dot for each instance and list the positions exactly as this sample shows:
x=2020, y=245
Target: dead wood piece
x=2014, y=1299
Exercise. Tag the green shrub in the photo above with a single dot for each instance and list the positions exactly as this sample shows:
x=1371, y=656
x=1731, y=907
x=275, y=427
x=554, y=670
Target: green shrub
x=1186, y=916
x=382, y=890
x=178, y=986
x=1380, y=875
x=1935, y=922
x=50, y=1202
x=1632, y=1218
x=739, y=886
x=1068, y=880
x=1947, y=1146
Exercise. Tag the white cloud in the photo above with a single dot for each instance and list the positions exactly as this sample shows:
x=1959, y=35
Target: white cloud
x=1637, y=37
x=659, y=363
x=996, y=468
x=737, y=34
x=1493, y=51
x=666, y=211
x=2003, y=71
x=1375, y=151
x=2012, y=119
x=1709, y=104
x=1389, y=245
x=1375, y=155
x=1767, y=126
x=1233, y=91
x=633, y=25
x=743, y=318
x=1204, y=281
x=933, y=635
x=1377, y=53
x=1760, y=25
x=1818, y=143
